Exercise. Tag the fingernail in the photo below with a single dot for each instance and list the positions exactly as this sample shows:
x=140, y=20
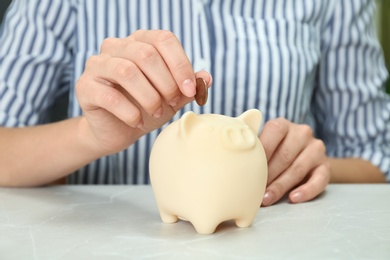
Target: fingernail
x=174, y=101
x=296, y=197
x=210, y=81
x=189, y=88
x=268, y=198
x=158, y=113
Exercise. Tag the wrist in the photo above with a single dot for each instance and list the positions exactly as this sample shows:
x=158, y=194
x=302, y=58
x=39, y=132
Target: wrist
x=88, y=141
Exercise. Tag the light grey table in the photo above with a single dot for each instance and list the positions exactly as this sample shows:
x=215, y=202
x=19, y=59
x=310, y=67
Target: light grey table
x=118, y=222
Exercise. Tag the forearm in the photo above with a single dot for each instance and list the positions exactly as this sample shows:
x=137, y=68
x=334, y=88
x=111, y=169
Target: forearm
x=38, y=155
x=354, y=170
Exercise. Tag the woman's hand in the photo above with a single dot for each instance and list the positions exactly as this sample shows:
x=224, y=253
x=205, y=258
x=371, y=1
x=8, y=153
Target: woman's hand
x=135, y=85
x=297, y=162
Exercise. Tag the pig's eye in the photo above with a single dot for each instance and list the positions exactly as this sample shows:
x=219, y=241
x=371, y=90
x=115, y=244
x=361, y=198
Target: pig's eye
x=209, y=128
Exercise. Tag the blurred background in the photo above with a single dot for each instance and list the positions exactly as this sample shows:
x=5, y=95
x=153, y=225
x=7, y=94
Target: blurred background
x=383, y=26
x=3, y=7
x=382, y=21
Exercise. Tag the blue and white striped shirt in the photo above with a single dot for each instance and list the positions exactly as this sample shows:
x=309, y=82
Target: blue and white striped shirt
x=312, y=62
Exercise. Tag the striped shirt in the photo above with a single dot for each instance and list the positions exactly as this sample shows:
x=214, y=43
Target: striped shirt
x=312, y=62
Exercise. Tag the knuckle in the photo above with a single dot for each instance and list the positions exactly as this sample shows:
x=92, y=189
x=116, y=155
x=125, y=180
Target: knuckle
x=126, y=70
x=277, y=124
x=306, y=130
x=299, y=170
x=108, y=44
x=92, y=61
x=111, y=97
x=154, y=103
x=164, y=37
x=80, y=85
x=133, y=117
x=181, y=64
x=147, y=53
x=319, y=146
x=278, y=189
x=171, y=93
x=135, y=34
x=83, y=87
x=285, y=155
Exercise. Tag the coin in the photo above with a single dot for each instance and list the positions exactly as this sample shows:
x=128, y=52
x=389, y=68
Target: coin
x=201, y=92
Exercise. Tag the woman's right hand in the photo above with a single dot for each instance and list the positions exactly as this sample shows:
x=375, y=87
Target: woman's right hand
x=135, y=85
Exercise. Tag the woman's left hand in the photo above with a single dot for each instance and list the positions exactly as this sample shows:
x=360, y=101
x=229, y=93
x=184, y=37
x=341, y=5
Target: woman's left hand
x=297, y=162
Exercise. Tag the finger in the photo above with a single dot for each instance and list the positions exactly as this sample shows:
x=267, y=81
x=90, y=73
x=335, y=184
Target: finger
x=316, y=184
x=295, y=141
x=126, y=74
x=206, y=76
x=274, y=131
x=307, y=160
x=149, y=61
x=185, y=100
x=174, y=56
x=107, y=97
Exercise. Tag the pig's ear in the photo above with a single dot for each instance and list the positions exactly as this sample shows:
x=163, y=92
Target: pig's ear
x=252, y=118
x=187, y=121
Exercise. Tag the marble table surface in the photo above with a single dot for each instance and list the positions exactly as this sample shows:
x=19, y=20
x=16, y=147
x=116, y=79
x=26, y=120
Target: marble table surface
x=122, y=222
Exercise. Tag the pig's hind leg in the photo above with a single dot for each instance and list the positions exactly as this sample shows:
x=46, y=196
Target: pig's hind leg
x=245, y=221
x=167, y=217
x=205, y=227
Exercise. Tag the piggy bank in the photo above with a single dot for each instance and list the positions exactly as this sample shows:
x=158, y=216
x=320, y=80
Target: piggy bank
x=208, y=169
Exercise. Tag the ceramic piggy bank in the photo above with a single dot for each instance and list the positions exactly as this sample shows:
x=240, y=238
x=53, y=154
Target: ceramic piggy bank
x=208, y=169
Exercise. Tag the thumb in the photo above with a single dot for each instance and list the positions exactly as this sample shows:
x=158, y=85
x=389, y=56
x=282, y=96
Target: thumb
x=184, y=100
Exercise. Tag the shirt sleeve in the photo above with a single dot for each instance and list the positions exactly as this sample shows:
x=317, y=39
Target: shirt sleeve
x=35, y=59
x=351, y=107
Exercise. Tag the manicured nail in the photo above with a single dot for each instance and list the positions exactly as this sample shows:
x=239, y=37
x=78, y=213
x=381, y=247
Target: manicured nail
x=189, y=88
x=158, y=113
x=296, y=197
x=268, y=198
x=174, y=101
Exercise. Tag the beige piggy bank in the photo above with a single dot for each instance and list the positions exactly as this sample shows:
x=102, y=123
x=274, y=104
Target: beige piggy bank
x=208, y=169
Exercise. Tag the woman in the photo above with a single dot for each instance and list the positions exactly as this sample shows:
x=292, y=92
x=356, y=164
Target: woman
x=315, y=70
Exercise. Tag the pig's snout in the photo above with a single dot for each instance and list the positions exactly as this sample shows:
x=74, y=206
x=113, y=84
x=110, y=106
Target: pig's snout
x=238, y=137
